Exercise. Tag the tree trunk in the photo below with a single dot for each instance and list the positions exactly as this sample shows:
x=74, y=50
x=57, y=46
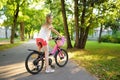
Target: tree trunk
x=6, y=36
x=22, y=31
x=28, y=35
x=69, y=45
x=82, y=30
x=12, y=33
x=14, y=24
x=72, y=30
x=76, y=23
x=85, y=38
x=99, y=39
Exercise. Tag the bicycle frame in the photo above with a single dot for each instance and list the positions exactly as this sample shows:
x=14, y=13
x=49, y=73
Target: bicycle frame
x=57, y=47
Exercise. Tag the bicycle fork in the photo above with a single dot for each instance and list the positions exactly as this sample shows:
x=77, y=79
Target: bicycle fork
x=60, y=54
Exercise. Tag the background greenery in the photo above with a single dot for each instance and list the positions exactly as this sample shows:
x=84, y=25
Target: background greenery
x=81, y=18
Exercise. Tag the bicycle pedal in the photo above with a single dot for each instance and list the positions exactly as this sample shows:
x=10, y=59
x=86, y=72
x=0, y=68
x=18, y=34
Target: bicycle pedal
x=52, y=66
x=50, y=61
x=61, y=57
x=51, y=54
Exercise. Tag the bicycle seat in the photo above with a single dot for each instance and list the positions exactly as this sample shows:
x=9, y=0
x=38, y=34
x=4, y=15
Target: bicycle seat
x=33, y=50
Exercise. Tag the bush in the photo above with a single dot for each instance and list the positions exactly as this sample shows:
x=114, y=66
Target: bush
x=105, y=38
x=110, y=38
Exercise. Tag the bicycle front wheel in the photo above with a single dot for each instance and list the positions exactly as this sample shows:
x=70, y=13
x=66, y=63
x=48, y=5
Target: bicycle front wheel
x=61, y=58
x=33, y=63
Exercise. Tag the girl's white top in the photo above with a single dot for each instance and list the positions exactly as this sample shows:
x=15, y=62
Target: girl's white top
x=44, y=33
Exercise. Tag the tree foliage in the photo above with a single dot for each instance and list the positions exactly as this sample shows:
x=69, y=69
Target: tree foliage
x=80, y=17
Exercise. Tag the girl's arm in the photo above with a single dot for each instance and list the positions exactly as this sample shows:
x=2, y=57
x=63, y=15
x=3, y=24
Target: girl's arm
x=56, y=32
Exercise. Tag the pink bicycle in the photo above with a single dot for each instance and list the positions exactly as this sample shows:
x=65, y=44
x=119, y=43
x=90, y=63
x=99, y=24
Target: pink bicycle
x=35, y=60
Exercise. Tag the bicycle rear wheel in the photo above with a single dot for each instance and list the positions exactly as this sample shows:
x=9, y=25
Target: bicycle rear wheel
x=34, y=63
x=61, y=58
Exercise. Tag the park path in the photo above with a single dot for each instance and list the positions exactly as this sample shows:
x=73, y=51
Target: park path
x=12, y=67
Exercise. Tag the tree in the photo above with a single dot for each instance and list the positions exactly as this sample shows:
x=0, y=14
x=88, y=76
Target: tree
x=113, y=20
x=85, y=20
x=101, y=18
x=108, y=15
x=69, y=45
x=15, y=16
x=2, y=3
x=87, y=8
x=33, y=21
x=6, y=24
x=18, y=13
x=22, y=31
x=76, y=23
x=13, y=7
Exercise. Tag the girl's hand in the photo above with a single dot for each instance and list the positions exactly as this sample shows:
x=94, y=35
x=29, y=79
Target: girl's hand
x=50, y=38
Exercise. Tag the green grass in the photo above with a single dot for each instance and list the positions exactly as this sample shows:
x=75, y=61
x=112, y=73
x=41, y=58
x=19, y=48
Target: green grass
x=5, y=44
x=3, y=39
x=102, y=60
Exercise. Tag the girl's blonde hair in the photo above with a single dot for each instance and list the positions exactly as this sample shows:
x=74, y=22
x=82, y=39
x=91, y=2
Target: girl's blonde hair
x=48, y=15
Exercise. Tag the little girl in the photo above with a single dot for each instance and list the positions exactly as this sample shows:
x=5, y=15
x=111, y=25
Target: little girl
x=43, y=38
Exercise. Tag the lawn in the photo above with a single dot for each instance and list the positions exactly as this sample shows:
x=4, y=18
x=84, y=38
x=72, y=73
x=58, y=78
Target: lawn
x=102, y=60
x=5, y=44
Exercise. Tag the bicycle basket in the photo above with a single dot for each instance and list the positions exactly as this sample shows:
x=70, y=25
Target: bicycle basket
x=61, y=42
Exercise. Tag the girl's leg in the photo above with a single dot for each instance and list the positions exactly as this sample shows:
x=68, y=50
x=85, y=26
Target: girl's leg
x=46, y=56
x=39, y=48
x=47, y=60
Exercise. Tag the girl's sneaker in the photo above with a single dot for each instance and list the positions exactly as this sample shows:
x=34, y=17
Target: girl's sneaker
x=49, y=70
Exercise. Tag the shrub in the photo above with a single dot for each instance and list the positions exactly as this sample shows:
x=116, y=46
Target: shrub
x=105, y=38
x=110, y=38
x=113, y=39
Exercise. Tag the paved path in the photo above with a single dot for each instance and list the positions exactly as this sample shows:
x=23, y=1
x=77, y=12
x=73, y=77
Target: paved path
x=12, y=67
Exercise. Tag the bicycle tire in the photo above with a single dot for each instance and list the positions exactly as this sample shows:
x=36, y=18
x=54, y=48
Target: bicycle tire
x=64, y=62
x=37, y=63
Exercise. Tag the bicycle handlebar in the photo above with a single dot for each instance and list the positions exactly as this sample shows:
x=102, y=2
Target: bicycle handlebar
x=56, y=38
